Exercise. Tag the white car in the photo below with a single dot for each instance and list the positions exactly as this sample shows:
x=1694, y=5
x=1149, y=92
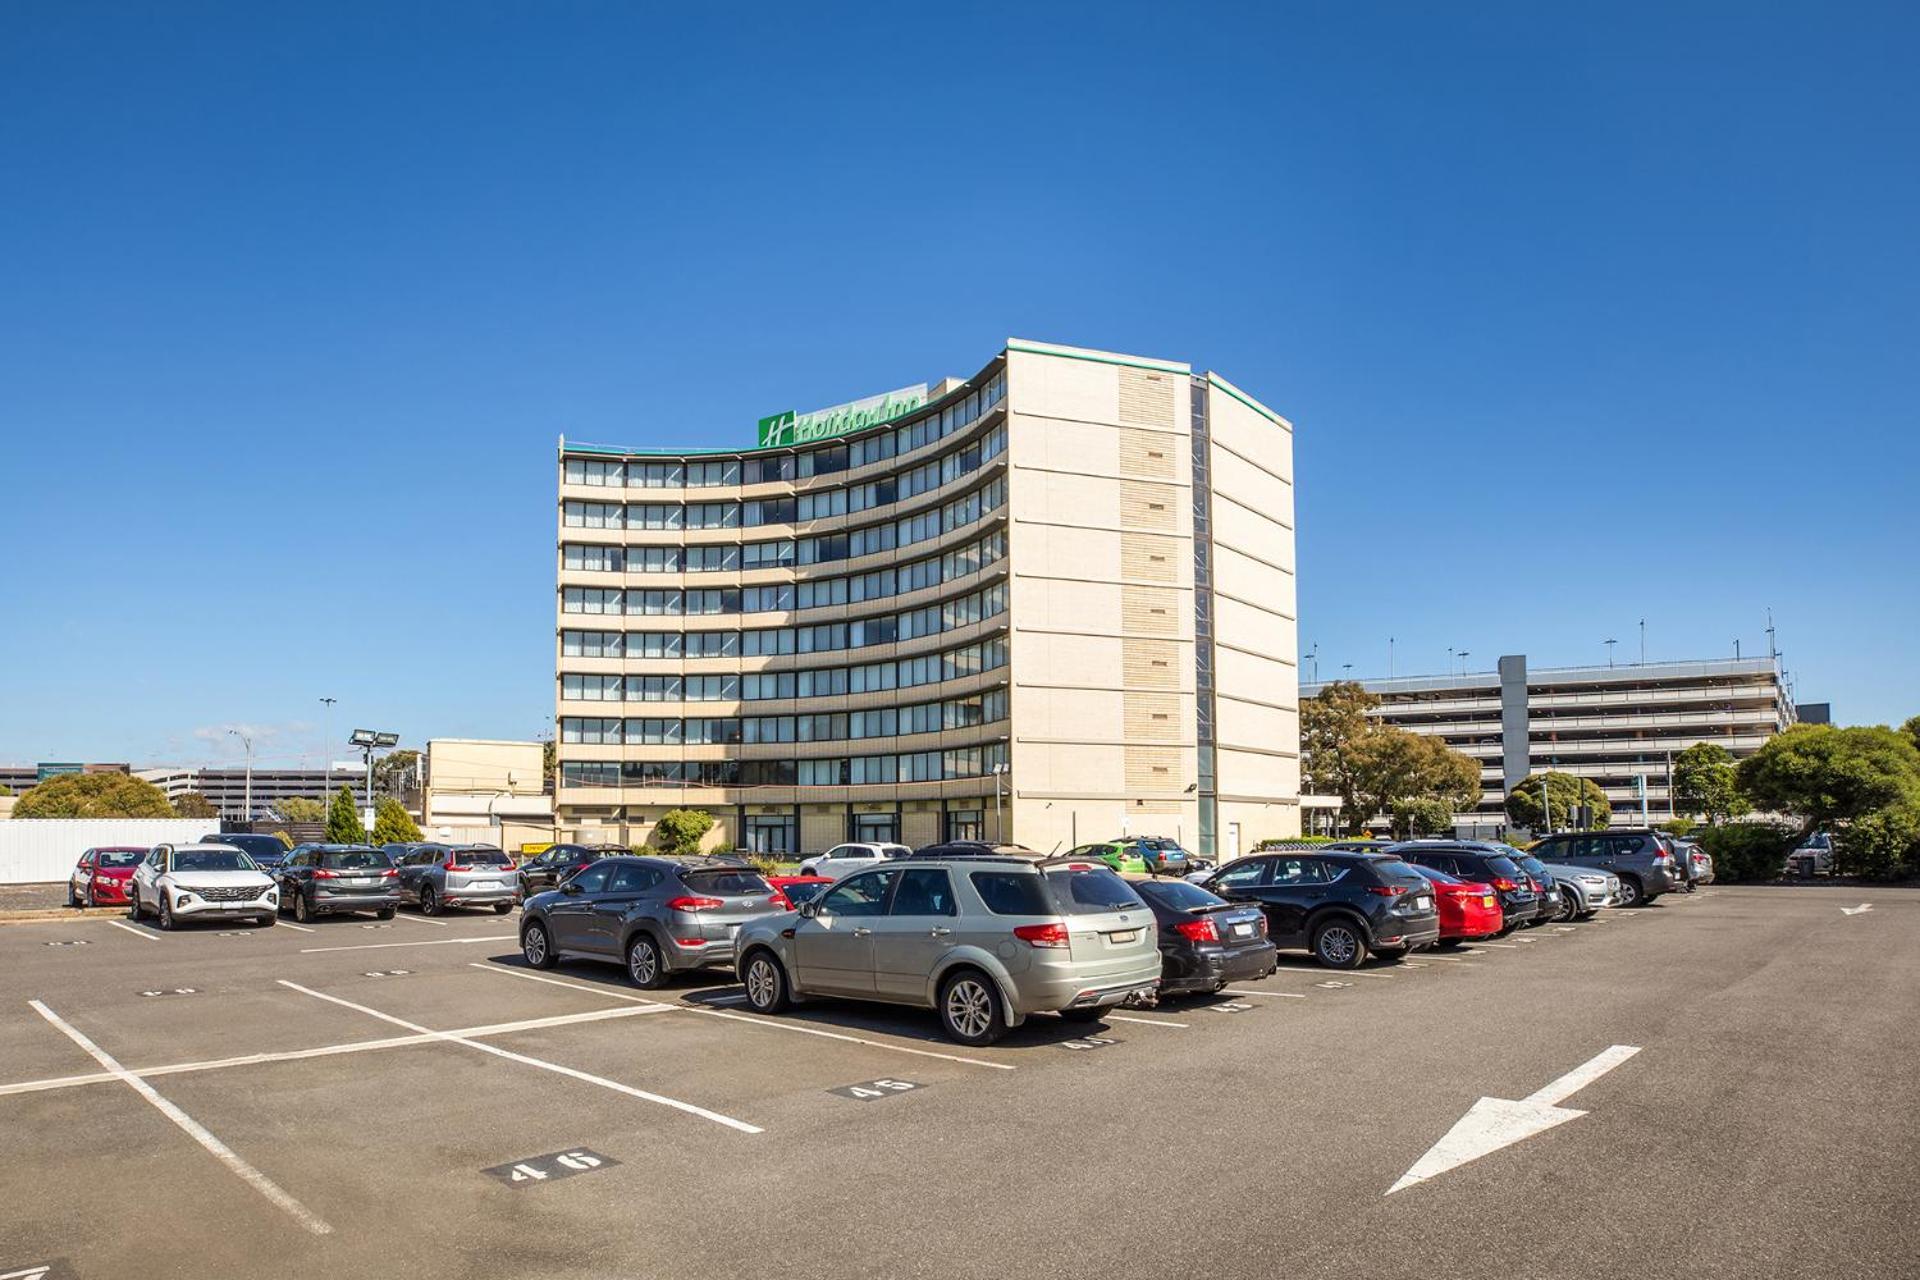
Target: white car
x=201, y=882
x=842, y=858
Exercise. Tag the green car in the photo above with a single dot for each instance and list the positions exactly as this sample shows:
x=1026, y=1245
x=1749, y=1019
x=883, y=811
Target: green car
x=1121, y=855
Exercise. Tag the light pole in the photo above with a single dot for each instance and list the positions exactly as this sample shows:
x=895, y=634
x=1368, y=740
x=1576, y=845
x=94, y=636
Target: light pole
x=326, y=747
x=370, y=741
x=1463, y=660
x=1610, y=644
x=247, y=742
x=999, y=826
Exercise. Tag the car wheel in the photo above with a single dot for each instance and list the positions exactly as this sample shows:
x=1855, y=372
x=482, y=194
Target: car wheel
x=384, y=913
x=501, y=908
x=1631, y=894
x=429, y=902
x=1569, y=907
x=301, y=911
x=1392, y=955
x=970, y=1008
x=1586, y=915
x=1337, y=944
x=644, y=964
x=166, y=912
x=766, y=983
x=73, y=899
x=1449, y=943
x=133, y=904
x=808, y=869
x=536, y=947
x=266, y=920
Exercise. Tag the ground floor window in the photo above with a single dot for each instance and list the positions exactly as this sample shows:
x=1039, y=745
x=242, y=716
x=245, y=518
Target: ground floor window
x=966, y=824
x=877, y=828
x=773, y=833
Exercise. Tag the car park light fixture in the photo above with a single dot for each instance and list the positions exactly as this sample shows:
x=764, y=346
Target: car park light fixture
x=362, y=737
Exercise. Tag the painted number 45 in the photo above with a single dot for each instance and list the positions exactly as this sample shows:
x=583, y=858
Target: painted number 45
x=874, y=1089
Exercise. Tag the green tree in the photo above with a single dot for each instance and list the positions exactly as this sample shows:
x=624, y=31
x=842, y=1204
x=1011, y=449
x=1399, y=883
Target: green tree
x=1881, y=845
x=391, y=770
x=391, y=822
x=1912, y=729
x=1422, y=816
x=1705, y=782
x=301, y=809
x=1331, y=721
x=191, y=804
x=679, y=830
x=285, y=839
x=94, y=795
x=1391, y=765
x=1747, y=851
x=1563, y=792
x=343, y=820
x=1824, y=775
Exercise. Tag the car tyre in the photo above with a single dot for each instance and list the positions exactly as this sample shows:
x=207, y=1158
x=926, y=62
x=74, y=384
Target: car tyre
x=537, y=946
x=166, y=913
x=1569, y=907
x=501, y=908
x=429, y=901
x=646, y=967
x=1631, y=894
x=1082, y=1015
x=267, y=920
x=1450, y=944
x=766, y=983
x=301, y=911
x=1338, y=944
x=971, y=1011
x=133, y=904
x=1391, y=955
x=384, y=913
x=1586, y=915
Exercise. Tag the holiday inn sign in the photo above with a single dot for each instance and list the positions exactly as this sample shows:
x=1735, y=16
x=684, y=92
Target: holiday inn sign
x=790, y=428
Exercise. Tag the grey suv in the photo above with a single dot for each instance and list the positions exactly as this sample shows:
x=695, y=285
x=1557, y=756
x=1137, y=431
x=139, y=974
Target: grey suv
x=437, y=877
x=983, y=939
x=1637, y=855
x=660, y=915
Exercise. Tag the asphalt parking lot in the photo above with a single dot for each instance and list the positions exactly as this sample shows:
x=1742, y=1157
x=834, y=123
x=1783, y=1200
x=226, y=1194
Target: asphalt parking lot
x=363, y=1099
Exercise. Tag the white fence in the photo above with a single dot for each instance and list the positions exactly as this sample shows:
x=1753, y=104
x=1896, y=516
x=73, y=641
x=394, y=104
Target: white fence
x=36, y=849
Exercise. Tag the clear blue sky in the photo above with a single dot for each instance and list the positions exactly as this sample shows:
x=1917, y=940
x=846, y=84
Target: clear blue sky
x=1581, y=318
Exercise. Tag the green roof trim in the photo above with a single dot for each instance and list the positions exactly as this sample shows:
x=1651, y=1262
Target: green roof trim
x=1098, y=357
x=1247, y=400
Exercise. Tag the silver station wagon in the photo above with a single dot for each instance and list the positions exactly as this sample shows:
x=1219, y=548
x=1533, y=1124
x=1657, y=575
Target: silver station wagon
x=982, y=939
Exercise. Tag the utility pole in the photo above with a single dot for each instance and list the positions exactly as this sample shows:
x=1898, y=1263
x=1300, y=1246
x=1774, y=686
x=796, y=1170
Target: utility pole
x=1389, y=657
x=1463, y=661
x=1313, y=656
x=999, y=826
x=1772, y=652
x=247, y=742
x=1610, y=644
x=1643, y=642
x=326, y=749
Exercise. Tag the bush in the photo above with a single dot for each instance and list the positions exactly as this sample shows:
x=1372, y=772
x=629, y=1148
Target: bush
x=343, y=820
x=1747, y=851
x=765, y=863
x=1883, y=845
x=392, y=824
x=1422, y=816
x=1563, y=792
x=1295, y=842
x=285, y=839
x=679, y=831
x=1679, y=827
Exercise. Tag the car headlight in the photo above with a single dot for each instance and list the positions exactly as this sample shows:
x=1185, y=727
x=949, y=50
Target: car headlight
x=181, y=897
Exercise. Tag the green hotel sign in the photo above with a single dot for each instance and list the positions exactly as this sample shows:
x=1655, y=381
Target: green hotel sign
x=790, y=428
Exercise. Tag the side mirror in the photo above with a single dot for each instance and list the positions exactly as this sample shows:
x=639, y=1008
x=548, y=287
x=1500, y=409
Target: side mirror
x=571, y=886
x=808, y=910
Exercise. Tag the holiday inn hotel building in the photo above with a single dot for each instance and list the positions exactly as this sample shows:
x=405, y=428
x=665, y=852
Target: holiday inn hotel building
x=1049, y=604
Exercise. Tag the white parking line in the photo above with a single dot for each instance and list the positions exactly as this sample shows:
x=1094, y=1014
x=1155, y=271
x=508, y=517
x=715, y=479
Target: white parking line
x=1504, y=946
x=556, y=1068
x=430, y=942
x=1277, y=995
x=138, y=933
x=1145, y=1022
x=771, y=1024
x=192, y=1128
x=401, y=915
x=571, y=986
x=329, y=1050
x=298, y=928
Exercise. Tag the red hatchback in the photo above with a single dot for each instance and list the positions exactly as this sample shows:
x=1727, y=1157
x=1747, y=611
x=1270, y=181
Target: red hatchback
x=101, y=877
x=1469, y=911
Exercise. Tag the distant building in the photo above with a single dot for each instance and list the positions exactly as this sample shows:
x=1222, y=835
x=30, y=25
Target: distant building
x=22, y=777
x=227, y=790
x=1813, y=713
x=1620, y=726
x=478, y=790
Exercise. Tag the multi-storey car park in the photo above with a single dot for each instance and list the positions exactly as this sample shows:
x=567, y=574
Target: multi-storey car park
x=1050, y=603
x=1620, y=726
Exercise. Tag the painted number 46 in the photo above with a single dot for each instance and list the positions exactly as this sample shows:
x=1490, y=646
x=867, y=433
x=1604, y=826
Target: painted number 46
x=578, y=1161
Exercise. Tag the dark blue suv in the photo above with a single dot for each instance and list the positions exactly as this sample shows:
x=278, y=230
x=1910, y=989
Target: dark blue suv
x=1339, y=906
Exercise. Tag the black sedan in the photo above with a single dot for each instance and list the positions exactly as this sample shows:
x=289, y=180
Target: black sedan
x=547, y=869
x=1205, y=941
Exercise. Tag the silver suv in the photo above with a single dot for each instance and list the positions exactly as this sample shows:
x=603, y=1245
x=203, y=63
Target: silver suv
x=985, y=940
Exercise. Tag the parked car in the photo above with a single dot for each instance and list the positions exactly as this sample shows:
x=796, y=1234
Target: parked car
x=101, y=876
x=842, y=858
x=1469, y=909
x=201, y=882
x=546, y=869
x=1482, y=863
x=1637, y=855
x=267, y=851
x=794, y=890
x=1339, y=906
x=1206, y=942
x=1544, y=883
x=1164, y=856
x=1693, y=861
x=662, y=916
x=328, y=879
x=1123, y=856
x=986, y=940
x=1583, y=890
x=1702, y=864
x=1812, y=856
x=436, y=877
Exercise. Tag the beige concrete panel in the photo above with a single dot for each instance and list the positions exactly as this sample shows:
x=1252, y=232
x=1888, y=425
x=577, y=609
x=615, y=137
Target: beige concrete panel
x=1058, y=387
x=1078, y=715
x=1245, y=432
x=919, y=823
x=1062, y=604
x=821, y=827
x=1057, y=497
x=1245, y=675
x=1252, y=724
x=1092, y=448
x=1240, y=578
x=1043, y=658
x=1060, y=551
x=1252, y=486
x=1262, y=625
x=1260, y=539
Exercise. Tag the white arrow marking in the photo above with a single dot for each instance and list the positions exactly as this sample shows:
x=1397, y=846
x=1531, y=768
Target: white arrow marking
x=1854, y=911
x=1493, y=1123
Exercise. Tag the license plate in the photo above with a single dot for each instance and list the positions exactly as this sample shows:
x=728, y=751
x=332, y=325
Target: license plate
x=1488, y=902
x=1243, y=931
x=1423, y=902
x=1124, y=935
x=486, y=884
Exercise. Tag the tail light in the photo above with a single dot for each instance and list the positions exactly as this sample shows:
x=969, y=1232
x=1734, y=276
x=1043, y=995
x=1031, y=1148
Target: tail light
x=510, y=867
x=390, y=874
x=1504, y=885
x=1200, y=930
x=1041, y=935
x=779, y=901
x=695, y=904
x=1387, y=890
x=451, y=865
x=324, y=874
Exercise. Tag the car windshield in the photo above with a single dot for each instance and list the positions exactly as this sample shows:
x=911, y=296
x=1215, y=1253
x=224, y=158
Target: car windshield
x=1501, y=866
x=483, y=857
x=212, y=860
x=354, y=858
x=1090, y=892
x=119, y=857
x=1438, y=877
x=805, y=891
x=726, y=880
x=1178, y=895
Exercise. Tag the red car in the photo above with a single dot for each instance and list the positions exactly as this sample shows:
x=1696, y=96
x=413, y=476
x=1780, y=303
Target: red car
x=101, y=877
x=794, y=890
x=1469, y=910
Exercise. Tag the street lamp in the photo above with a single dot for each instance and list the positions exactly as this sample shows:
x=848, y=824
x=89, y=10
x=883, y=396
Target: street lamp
x=370, y=741
x=247, y=742
x=999, y=828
